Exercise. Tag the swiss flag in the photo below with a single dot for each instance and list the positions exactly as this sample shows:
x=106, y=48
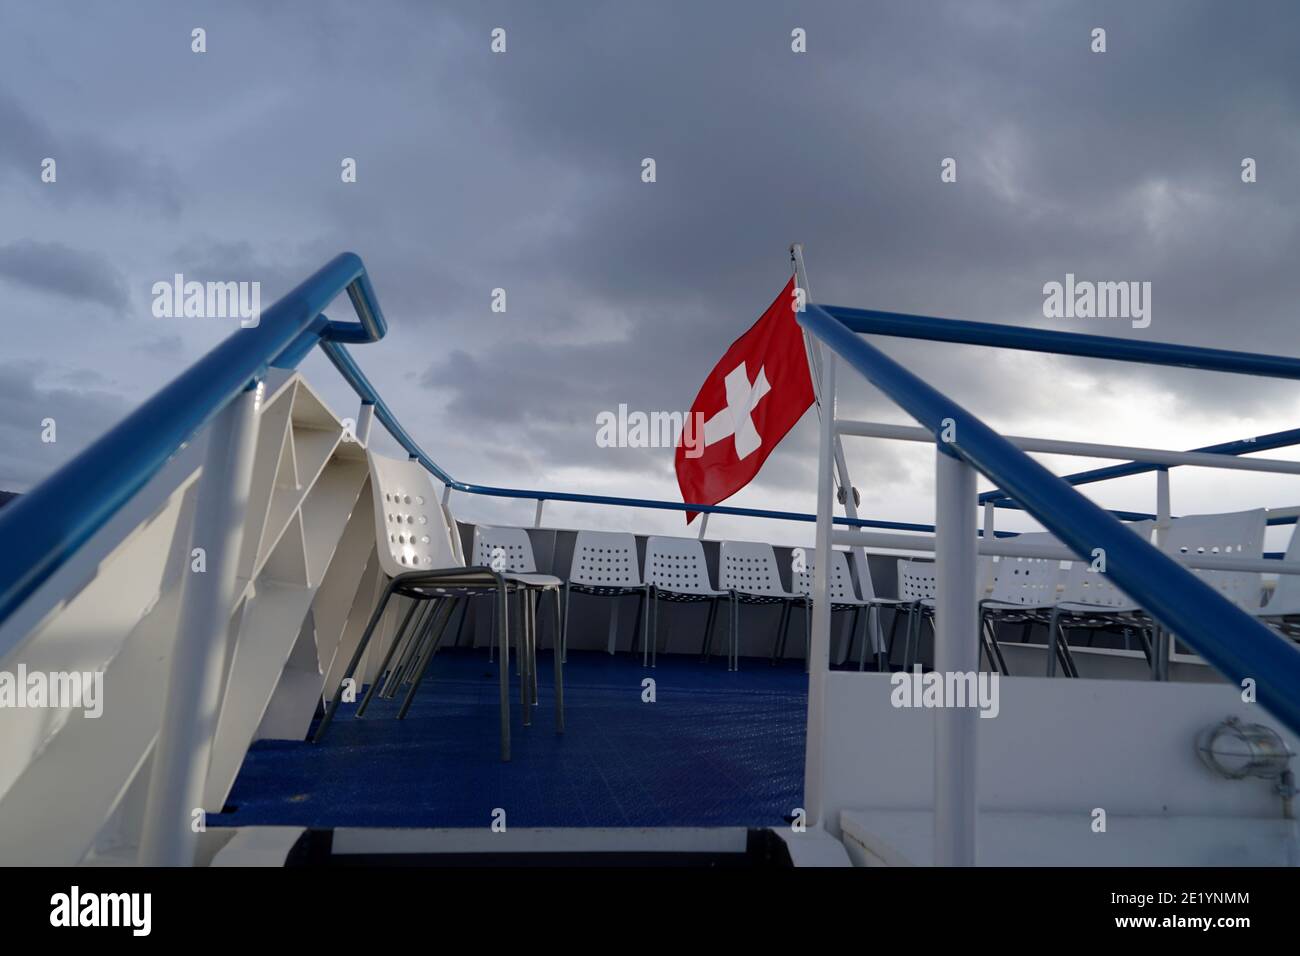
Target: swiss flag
x=753, y=396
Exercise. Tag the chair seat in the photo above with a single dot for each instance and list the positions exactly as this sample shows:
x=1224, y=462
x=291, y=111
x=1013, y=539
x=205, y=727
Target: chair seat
x=533, y=580
x=703, y=594
x=607, y=590
x=1023, y=608
x=1098, y=610
x=750, y=597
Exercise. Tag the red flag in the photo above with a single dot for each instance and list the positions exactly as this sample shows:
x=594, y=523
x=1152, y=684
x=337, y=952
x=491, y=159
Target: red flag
x=753, y=396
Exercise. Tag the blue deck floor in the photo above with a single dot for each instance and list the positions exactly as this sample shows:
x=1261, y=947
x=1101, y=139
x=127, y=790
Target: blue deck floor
x=715, y=749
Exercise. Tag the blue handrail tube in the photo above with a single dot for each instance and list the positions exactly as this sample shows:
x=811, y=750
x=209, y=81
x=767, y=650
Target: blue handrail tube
x=1023, y=339
x=44, y=527
x=1232, y=641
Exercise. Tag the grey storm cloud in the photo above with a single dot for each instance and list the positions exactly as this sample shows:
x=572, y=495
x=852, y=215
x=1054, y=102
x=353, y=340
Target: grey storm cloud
x=81, y=411
x=88, y=165
x=521, y=171
x=71, y=273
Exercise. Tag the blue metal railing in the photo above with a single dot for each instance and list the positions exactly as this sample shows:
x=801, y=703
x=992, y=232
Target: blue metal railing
x=44, y=527
x=1232, y=641
x=352, y=373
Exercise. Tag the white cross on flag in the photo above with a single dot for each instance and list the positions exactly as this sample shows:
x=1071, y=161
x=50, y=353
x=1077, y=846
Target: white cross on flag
x=748, y=403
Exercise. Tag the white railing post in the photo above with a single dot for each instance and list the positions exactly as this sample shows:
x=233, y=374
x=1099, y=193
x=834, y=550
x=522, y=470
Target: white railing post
x=819, y=650
x=956, y=650
x=537, y=515
x=365, y=418
x=182, y=751
x=814, y=351
x=1162, y=639
x=704, y=524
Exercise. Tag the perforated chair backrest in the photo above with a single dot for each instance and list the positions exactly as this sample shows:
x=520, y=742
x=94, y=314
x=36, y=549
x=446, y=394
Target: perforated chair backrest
x=512, y=545
x=1236, y=535
x=410, y=526
x=605, y=559
x=1027, y=581
x=749, y=567
x=916, y=579
x=677, y=564
x=1095, y=589
x=804, y=575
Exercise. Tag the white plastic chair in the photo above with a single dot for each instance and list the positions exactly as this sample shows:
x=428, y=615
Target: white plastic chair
x=1090, y=601
x=916, y=588
x=1236, y=535
x=675, y=571
x=1023, y=592
x=748, y=571
x=844, y=598
x=510, y=551
x=416, y=552
x=604, y=565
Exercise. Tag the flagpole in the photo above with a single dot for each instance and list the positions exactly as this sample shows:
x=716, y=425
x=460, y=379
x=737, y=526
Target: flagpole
x=859, y=554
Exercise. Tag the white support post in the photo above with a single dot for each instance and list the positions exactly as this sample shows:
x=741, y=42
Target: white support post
x=956, y=650
x=704, y=524
x=815, y=358
x=990, y=534
x=365, y=418
x=1162, y=507
x=182, y=751
x=537, y=515
x=819, y=645
x=1163, y=641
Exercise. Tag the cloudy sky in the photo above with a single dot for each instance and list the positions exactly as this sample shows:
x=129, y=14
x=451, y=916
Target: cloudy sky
x=522, y=170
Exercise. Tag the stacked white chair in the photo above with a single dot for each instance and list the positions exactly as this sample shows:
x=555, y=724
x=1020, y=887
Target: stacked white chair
x=748, y=572
x=510, y=551
x=604, y=565
x=916, y=588
x=675, y=571
x=417, y=554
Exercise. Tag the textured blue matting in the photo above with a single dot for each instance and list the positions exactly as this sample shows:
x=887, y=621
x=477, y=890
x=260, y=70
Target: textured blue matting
x=715, y=749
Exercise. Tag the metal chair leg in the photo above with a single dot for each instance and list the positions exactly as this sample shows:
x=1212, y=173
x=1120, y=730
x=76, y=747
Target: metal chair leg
x=503, y=668
x=460, y=628
x=521, y=667
x=564, y=627
x=559, y=668
x=735, y=639
x=645, y=626
x=782, y=626
x=653, y=612
x=708, y=629
x=1053, y=636
x=398, y=638
x=352, y=664
x=533, y=598
x=437, y=628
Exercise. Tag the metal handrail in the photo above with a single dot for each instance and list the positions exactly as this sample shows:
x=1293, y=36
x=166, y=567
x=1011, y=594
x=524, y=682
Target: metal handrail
x=1229, y=639
x=352, y=374
x=43, y=528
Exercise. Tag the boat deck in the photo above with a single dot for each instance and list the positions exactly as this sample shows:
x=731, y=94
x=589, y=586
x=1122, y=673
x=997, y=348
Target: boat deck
x=715, y=749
